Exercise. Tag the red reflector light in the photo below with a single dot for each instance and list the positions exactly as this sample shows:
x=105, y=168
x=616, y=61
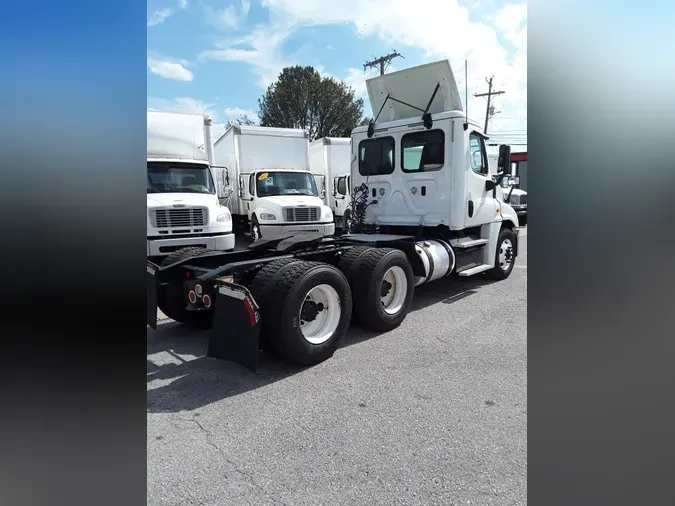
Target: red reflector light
x=187, y=274
x=192, y=296
x=207, y=301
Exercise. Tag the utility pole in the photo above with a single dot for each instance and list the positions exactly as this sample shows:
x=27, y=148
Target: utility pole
x=382, y=62
x=489, y=111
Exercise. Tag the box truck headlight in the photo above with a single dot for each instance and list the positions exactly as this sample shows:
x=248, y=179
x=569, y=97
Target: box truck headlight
x=224, y=218
x=267, y=216
x=328, y=215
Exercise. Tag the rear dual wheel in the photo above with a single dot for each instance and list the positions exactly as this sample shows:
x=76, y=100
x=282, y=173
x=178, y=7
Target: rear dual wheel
x=382, y=285
x=305, y=308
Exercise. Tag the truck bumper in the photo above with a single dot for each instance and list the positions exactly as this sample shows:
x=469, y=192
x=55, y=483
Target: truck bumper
x=158, y=247
x=235, y=330
x=276, y=231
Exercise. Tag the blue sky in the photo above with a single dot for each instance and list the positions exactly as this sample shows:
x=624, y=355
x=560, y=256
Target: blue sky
x=217, y=56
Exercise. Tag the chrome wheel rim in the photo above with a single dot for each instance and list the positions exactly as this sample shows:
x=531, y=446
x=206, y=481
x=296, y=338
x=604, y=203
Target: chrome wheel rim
x=394, y=289
x=320, y=314
x=505, y=254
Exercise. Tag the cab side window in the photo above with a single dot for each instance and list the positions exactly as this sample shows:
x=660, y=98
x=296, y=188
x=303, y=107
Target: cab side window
x=251, y=185
x=342, y=185
x=477, y=155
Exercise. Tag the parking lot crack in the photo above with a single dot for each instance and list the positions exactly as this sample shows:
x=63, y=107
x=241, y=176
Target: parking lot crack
x=249, y=476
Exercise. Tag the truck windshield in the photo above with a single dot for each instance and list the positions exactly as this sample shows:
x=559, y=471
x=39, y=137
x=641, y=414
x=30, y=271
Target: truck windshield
x=179, y=177
x=272, y=184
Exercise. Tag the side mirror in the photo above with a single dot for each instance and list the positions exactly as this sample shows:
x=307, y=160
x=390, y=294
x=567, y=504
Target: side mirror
x=241, y=187
x=504, y=160
x=514, y=181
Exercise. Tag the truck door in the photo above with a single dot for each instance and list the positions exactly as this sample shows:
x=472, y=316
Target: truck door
x=480, y=206
x=246, y=193
x=340, y=191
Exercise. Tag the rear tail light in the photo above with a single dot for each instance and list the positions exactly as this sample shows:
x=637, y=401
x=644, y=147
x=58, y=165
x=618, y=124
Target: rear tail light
x=192, y=296
x=207, y=301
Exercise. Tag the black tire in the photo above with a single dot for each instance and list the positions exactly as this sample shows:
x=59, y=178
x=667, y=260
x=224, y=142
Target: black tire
x=347, y=265
x=368, y=274
x=255, y=226
x=281, y=312
x=171, y=299
x=498, y=272
x=262, y=288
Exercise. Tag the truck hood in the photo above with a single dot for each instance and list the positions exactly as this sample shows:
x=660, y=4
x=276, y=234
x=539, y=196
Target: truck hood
x=186, y=199
x=293, y=200
x=414, y=86
x=516, y=191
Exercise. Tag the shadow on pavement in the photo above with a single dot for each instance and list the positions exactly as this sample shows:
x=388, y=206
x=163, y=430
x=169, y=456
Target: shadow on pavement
x=199, y=380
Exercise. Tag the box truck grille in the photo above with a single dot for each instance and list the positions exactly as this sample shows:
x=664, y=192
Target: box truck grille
x=523, y=200
x=302, y=213
x=188, y=217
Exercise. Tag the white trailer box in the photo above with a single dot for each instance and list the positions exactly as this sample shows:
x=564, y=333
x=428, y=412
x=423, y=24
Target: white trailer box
x=330, y=162
x=274, y=191
x=182, y=194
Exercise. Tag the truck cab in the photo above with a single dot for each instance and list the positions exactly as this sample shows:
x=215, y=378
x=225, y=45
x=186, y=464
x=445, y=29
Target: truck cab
x=182, y=194
x=425, y=167
x=283, y=201
x=275, y=190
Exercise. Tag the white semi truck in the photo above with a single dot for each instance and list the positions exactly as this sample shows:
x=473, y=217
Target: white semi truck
x=274, y=191
x=330, y=162
x=182, y=193
x=425, y=208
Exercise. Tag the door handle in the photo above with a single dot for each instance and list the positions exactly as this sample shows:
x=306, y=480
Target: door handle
x=470, y=208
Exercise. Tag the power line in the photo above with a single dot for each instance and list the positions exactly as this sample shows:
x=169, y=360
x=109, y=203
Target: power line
x=382, y=62
x=489, y=97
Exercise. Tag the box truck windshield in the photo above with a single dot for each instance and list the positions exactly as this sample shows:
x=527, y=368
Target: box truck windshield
x=273, y=184
x=177, y=177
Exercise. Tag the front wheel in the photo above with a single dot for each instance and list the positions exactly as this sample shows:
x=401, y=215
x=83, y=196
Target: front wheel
x=504, y=256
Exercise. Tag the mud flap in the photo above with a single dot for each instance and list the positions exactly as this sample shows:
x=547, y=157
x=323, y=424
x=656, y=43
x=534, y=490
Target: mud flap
x=151, y=296
x=235, y=332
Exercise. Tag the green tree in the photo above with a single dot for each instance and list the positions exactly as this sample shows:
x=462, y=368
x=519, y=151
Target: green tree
x=241, y=120
x=301, y=98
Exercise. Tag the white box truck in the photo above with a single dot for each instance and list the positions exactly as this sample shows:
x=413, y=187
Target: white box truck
x=330, y=162
x=425, y=206
x=275, y=194
x=182, y=195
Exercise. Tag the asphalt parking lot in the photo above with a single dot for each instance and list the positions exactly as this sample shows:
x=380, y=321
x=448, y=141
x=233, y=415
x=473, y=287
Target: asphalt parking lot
x=432, y=413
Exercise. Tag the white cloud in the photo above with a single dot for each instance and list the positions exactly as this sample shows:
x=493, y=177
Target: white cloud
x=356, y=78
x=440, y=27
x=183, y=4
x=261, y=50
x=186, y=105
x=237, y=112
x=158, y=17
x=227, y=18
x=245, y=7
x=170, y=70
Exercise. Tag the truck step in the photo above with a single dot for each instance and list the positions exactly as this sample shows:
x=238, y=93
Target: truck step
x=476, y=270
x=467, y=242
